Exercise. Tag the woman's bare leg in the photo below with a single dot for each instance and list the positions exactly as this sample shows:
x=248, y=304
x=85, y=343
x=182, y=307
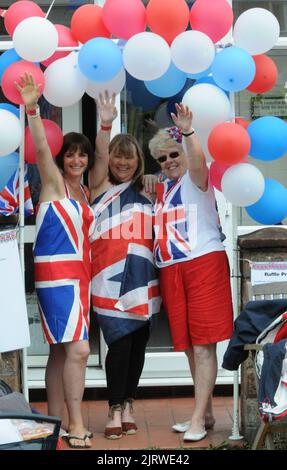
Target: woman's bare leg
x=54, y=380
x=209, y=418
x=205, y=363
x=74, y=385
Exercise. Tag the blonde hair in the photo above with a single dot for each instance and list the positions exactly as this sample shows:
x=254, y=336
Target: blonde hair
x=161, y=140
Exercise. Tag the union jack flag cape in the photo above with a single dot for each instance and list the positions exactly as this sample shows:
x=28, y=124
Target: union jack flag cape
x=125, y=287
x=9, y=196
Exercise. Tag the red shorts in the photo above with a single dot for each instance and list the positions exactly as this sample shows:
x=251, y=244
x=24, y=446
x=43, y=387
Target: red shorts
x=197, y=297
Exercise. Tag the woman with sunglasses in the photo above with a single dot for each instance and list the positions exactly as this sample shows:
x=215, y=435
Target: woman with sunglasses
x=191, y=257
x=62, y=258
x=125, y=290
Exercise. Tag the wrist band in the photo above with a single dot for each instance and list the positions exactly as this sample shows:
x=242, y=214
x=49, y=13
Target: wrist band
x=34, y=112
x=105, y=128
x=187, y=134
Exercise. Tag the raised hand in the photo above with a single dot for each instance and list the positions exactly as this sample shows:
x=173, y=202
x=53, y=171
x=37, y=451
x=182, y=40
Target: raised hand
x=28, y=89
x=183, y=118
x=106, y=107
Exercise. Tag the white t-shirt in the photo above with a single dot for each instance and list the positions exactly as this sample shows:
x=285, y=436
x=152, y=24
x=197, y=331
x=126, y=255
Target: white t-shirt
x=186, y=222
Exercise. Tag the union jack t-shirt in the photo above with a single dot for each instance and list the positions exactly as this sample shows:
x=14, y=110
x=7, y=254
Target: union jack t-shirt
x=186, y=222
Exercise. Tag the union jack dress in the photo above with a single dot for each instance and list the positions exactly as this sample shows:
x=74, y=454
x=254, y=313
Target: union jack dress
x=62, y=258
x=125, y=286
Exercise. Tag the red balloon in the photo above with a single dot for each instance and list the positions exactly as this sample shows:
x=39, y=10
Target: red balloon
x=229, y=143
x=54, y=137
x=216, y=172
x=212, y=17
x=13, y=74
x=242, y=122
x=66, y=38
x=168, y=18
x=87, y=23
x=265, y=76
x=18, y=12
x=124, y=18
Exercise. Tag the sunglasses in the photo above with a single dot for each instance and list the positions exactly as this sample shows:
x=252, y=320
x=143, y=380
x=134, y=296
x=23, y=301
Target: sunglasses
x=172, y=155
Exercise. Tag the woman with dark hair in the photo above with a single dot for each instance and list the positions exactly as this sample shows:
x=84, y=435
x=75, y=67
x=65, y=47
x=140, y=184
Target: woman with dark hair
x=124, y=283
x=62, y=258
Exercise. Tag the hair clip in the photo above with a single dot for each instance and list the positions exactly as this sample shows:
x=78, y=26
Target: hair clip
x=175, y=133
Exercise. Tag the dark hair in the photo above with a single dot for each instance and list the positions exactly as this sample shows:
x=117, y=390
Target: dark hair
x=74, y=141
x=126, y=144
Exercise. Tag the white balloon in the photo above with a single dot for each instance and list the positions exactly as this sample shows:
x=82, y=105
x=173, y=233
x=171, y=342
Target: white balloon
x=192, y=51
x=10, y=132
x=203, y=139
x=115, y=85
x=243, y=184
x=146, y=56
x=256, y=30
x=35, y=39
x=64, y=82
x=209, y=104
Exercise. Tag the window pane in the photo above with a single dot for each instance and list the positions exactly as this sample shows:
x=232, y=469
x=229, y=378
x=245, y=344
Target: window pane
x=278, y=8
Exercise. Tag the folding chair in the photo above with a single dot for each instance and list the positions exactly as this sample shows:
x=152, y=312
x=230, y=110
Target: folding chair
x=40, y=443
x=266, y=429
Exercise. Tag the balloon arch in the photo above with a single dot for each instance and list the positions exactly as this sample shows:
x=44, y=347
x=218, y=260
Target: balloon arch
x=180, y=43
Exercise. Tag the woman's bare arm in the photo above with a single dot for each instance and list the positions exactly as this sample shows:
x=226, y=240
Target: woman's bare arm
x=51, y=178
x=107, y=114
x=197, y=164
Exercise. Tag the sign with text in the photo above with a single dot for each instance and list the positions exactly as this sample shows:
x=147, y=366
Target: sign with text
x=268, y=106
x=14, y=326
x=267, y=272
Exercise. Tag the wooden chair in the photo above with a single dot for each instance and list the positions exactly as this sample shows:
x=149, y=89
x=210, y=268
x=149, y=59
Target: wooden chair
x=276, y=290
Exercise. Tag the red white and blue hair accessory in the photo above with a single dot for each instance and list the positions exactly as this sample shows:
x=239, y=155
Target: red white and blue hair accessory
x=175, y=133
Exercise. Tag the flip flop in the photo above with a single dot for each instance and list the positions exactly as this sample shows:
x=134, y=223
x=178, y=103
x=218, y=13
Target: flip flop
x=78, y=438
x=65, y=433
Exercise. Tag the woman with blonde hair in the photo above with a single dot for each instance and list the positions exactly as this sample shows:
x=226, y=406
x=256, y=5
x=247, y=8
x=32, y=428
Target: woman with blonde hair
x=191, y=257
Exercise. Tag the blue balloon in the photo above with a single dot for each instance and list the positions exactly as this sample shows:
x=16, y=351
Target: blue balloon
x=271, y=208
x=195, y=76
x=169, y=84
x=121, y=43
x=210, y=80
x=233, y=69
x=178, y=98
x=100, y=59
x=10, y=107
x=8, y=165
x=6, y=59
x=268, y=138
x=139, y=96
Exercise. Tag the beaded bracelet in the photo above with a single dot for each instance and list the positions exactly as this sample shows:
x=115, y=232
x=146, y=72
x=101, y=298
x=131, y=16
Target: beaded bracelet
x=34, y=112
x=105, y=128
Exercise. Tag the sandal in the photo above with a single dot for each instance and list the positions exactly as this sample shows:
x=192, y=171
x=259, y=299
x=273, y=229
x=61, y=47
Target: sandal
x=65, y=433
x=78, y=438
x=129, y=427
x=114, y=432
